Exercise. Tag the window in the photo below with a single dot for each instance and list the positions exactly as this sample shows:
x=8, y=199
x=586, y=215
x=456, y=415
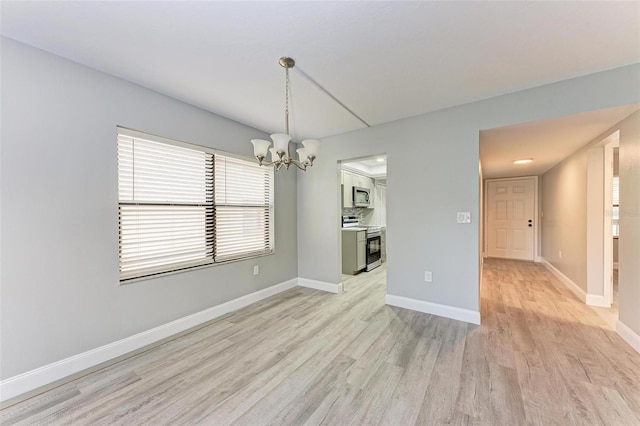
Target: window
x=244, y=208
x=616, y=206
x=183, y=206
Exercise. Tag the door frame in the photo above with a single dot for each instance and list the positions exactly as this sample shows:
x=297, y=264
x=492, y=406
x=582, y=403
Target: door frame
x=536, y=214
x=599, y=211
x=611, y=142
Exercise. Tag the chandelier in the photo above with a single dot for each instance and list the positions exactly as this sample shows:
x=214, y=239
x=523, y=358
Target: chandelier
x=280, y=152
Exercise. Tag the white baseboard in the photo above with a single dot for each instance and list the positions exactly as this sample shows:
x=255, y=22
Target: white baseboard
x=628, y=335
x=320, y=285
x=446, y=311
x=582, y=295
x=596, y=300
x=538, y=259
x=615, y=265
x=42, y=376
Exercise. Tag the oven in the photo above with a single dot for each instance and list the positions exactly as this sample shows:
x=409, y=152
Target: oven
x=374, y=248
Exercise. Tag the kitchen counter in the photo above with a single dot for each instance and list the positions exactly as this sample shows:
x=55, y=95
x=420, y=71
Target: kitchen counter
x=355, y=229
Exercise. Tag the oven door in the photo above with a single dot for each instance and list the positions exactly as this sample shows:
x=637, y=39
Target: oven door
x=374, y=251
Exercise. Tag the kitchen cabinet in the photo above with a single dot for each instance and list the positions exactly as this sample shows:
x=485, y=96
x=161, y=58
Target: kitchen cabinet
x=358, y=180
x=362, y=181
x=347, y=189
x=354, y=251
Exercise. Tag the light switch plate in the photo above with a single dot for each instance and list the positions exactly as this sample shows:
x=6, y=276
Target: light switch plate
x=464, y=217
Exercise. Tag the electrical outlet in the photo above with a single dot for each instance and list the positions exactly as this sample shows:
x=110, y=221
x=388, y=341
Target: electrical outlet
x=256, y=270
x=428, y=276
x=464, y=217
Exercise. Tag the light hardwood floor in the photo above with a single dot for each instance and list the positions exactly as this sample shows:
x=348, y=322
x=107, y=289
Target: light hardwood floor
x=610, y=315
x=541, y=357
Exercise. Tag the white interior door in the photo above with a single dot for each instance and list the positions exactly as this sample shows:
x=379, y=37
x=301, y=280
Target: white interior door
x=510, y=218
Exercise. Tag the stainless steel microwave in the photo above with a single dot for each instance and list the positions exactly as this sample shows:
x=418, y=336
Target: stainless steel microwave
x=361, y=197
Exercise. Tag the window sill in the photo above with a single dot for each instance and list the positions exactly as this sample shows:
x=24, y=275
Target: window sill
x=191, y=268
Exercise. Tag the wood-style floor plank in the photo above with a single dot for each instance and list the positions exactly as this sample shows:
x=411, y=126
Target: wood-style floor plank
x=541, y=357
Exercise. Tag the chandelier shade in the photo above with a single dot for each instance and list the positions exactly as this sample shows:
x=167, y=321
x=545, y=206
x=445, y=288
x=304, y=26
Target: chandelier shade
x=281, y=141
x=260, y=147
x=302, y=156
x=311, y=146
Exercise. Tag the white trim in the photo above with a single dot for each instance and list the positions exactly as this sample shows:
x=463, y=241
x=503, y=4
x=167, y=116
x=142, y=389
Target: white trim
x=582, y=295
x=589, y=299
x=597, y=300
x=320, y=285
x=538, y=259
x=615, y=265
x=31, y=380
x=612, y=141
x=628, y=335
x=446, y=311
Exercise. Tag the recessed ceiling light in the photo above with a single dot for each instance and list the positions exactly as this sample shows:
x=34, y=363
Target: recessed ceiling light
x=380, y=160
x=523, y=161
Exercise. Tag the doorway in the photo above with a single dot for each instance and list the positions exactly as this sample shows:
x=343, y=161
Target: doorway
x=511, y=218
x=363, y=189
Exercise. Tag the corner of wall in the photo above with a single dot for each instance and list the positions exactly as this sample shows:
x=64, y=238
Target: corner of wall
x=452, y=312
x=580, y=293
x=628, y=335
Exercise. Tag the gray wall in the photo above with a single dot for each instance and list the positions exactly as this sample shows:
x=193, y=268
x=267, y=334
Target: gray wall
x=564, y=221
x=59, y=211
x=432, y=174
x=565, y=206
x=629, y=241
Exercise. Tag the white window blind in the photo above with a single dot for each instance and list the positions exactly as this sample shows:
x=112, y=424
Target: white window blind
x=165, y=206
x=243, y=208
x=183, y=206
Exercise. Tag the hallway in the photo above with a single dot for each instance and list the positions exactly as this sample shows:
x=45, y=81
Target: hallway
x=571, y=367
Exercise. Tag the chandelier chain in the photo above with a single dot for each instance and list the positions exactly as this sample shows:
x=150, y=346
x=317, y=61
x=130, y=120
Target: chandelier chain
x=286, y=101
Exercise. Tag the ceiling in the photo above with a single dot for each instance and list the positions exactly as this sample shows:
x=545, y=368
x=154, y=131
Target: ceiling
x=383, y=60
x=548, y=141
x=375, y=166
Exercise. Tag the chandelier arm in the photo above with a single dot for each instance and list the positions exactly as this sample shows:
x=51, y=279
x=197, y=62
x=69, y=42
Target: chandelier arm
x=299, y=165
x=275, y=164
